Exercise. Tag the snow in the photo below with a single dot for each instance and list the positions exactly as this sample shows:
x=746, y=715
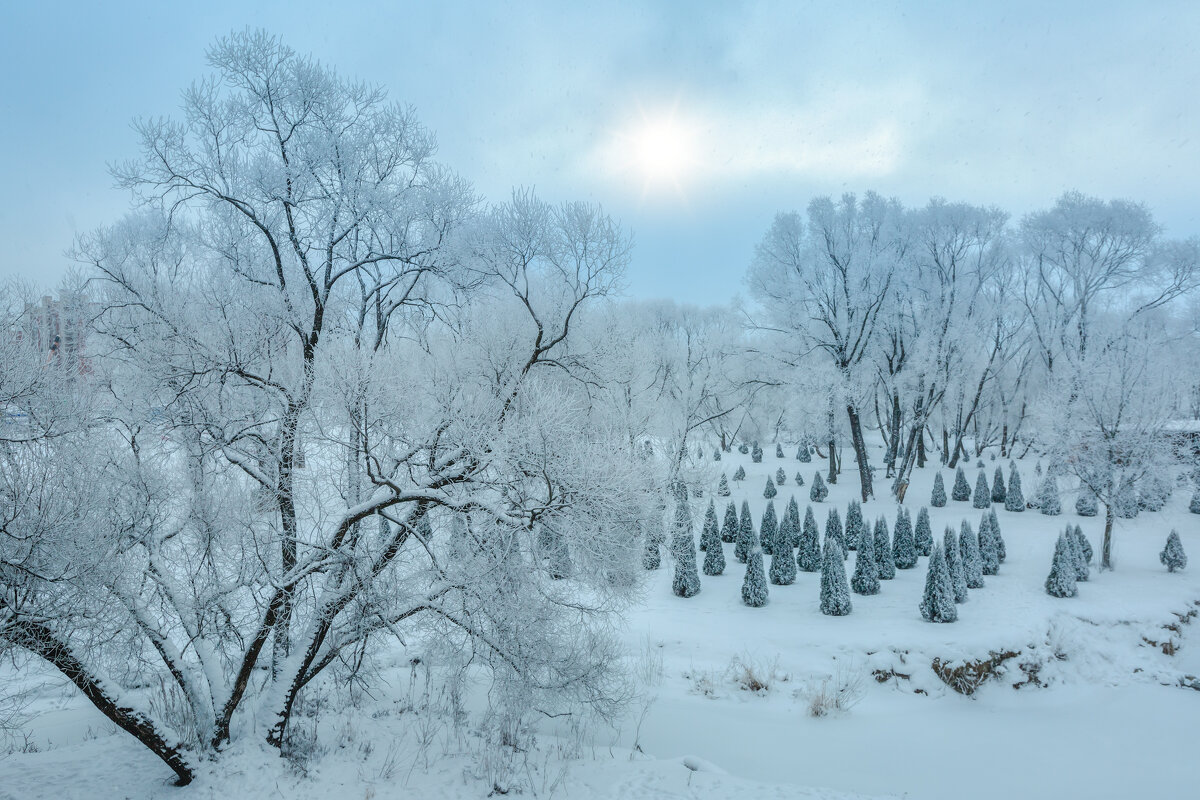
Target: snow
x=1111, y=720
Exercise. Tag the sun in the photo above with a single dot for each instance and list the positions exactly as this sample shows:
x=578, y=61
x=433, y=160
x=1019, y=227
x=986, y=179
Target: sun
x=661, y=150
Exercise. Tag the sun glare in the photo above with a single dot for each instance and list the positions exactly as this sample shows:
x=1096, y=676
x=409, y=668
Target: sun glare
x=662, y=151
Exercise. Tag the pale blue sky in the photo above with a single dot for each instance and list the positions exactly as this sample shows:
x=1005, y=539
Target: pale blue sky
x=771, y=103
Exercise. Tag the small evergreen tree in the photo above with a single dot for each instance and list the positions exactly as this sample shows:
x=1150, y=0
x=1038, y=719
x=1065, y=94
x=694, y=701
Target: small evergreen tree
x=983, y=495
x=968, y=550
x=1087, y=504
x=1125, y=505
x=1014, y=499
x=756, y=454
x=856, y=527
x=1081, y=562
x=866, y=571
x=651, y=557
x=1172, y=554
x=885, y=562
x=833, y=531
x=783, y=564
x=998, y=489
x=817, y=493
x=686, y=582
x=778, y=451
x=770, y=490
x=768, y=529
x=714, y=560
x=904, y=546
x=740, y=474
x=923, y=533
x=754, y=585
x=802, y=454
x=989, y=548
x=1001, y=550
x=1154, y=493
x=1048, y=501
x=938, y=498
x=785, y=535
x=835, y=594
x=1085, y=547
x=743, y=448
x=937, y=602
x=729, y=526
x=1194, y=506
x=958, y=578
x=962, y=489
x=793, y=517
x=808, y=551
x=747, y=539
x=716, y=455
x=780, y=477
x=1061, y=581
x=799, y=479
x=723, y=486
x=710, y=534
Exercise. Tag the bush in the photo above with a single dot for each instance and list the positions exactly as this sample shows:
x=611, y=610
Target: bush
x=1048, y=501
x=779, y=451
x=740, y=474
x=780, y=477
x=817, y=493
x=1087, y=505
x=1194, y=506
x=769, y=490
x=756, y=454
x=803, y=455
x=962, y=489
x=1061, y=581
x=799, y=479
x=1172, y=554
x=743, y=448
x=938, y=498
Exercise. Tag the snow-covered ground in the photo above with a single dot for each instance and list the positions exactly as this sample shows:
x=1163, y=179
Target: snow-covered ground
x=1108, y=720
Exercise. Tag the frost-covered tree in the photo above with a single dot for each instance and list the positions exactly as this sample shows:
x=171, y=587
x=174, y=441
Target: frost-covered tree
x=1087, y=504
x=743, y=448
x=962, y=489
x=792, y=515
x=835, y=593
x=817, y=492
x=803, y=455
x=651, y=549
x=778, y=450
x=799, y=479
x=1001, y=549
x=1014, y=499
x=937, y=602
x=739, y=474
x=1172, y=554
x=938, y=498
x=729, y=526
x=756, y=454
x=972, y=562
x=1061, y=580
x=1082, y=573
x=1047, y=500
x=999, y=491
x=686, y=582
x=958, y=577
x=866, y=570
x=923, y=533
x=989, y=547
x=780, y=477
x=769, y=490
x=834, y=531
x=783, y=563
x=1194, y=505
x=768, y=530
x=856, y=526
x=723, y=486
x=747, y=539
x=754, y=585
x=904, y=544
x=983, y=494
x=808, y=550
x=710, y=534
x=1085, y=547
x=884, y=560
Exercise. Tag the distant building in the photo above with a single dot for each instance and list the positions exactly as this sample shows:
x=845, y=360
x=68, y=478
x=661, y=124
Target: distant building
x=58, y=329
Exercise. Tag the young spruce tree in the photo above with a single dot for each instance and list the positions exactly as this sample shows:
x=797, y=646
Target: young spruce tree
x=1087, y=504
x=754, y=585
x=833, y=531
x=950, y=552
x=723, y=486
x=968, y=549
x=904, y=545
x=739, y=474
x=998, y=489
x=1048, y=501
x=923, y=533
x=1061, y=581
x=729, y=526
x=885, y=561
x=756, y=454
x=817, y=492
x=1014, y=499
x=938, y=498
x=866, y=571
x=808, y=551
x=710, y=534
x=1194, y=505
x=1082, y=573
x=686, y=582
x=1085, y=547
x=747, y=539
x=792, y=514
x=778, y=451
x=770, y=491
x=989, y=548
x=802, y=454
x=937, y=603
x=835, y=594
x=1000, y=548
x=1172, y=555
x=983, y=494
x=780, y=477
x=783, y=563
x=962, y=489
x=856, y=527
x=769, y=529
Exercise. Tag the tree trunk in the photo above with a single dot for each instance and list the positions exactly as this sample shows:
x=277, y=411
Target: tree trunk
x=860, y=451
x=832, y=463
x=921, y=448
x=39, y=639
x=1004, y=441
x=945, y=445
x=1106, y=547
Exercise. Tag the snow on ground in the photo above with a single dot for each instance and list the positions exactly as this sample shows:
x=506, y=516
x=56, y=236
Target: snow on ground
x=1111, y=720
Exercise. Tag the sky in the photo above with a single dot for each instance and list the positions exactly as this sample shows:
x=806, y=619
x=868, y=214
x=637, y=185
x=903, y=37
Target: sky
x=693, y=123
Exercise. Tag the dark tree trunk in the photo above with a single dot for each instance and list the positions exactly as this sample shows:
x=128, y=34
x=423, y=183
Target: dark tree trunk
x=39, y=639
x=1004, y=441
x=945, y=445
x=833, y=471
x=921, y=448
x=1106, y=547
x=860, y=451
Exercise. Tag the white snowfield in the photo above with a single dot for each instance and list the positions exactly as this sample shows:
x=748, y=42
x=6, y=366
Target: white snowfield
x=727, y=691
